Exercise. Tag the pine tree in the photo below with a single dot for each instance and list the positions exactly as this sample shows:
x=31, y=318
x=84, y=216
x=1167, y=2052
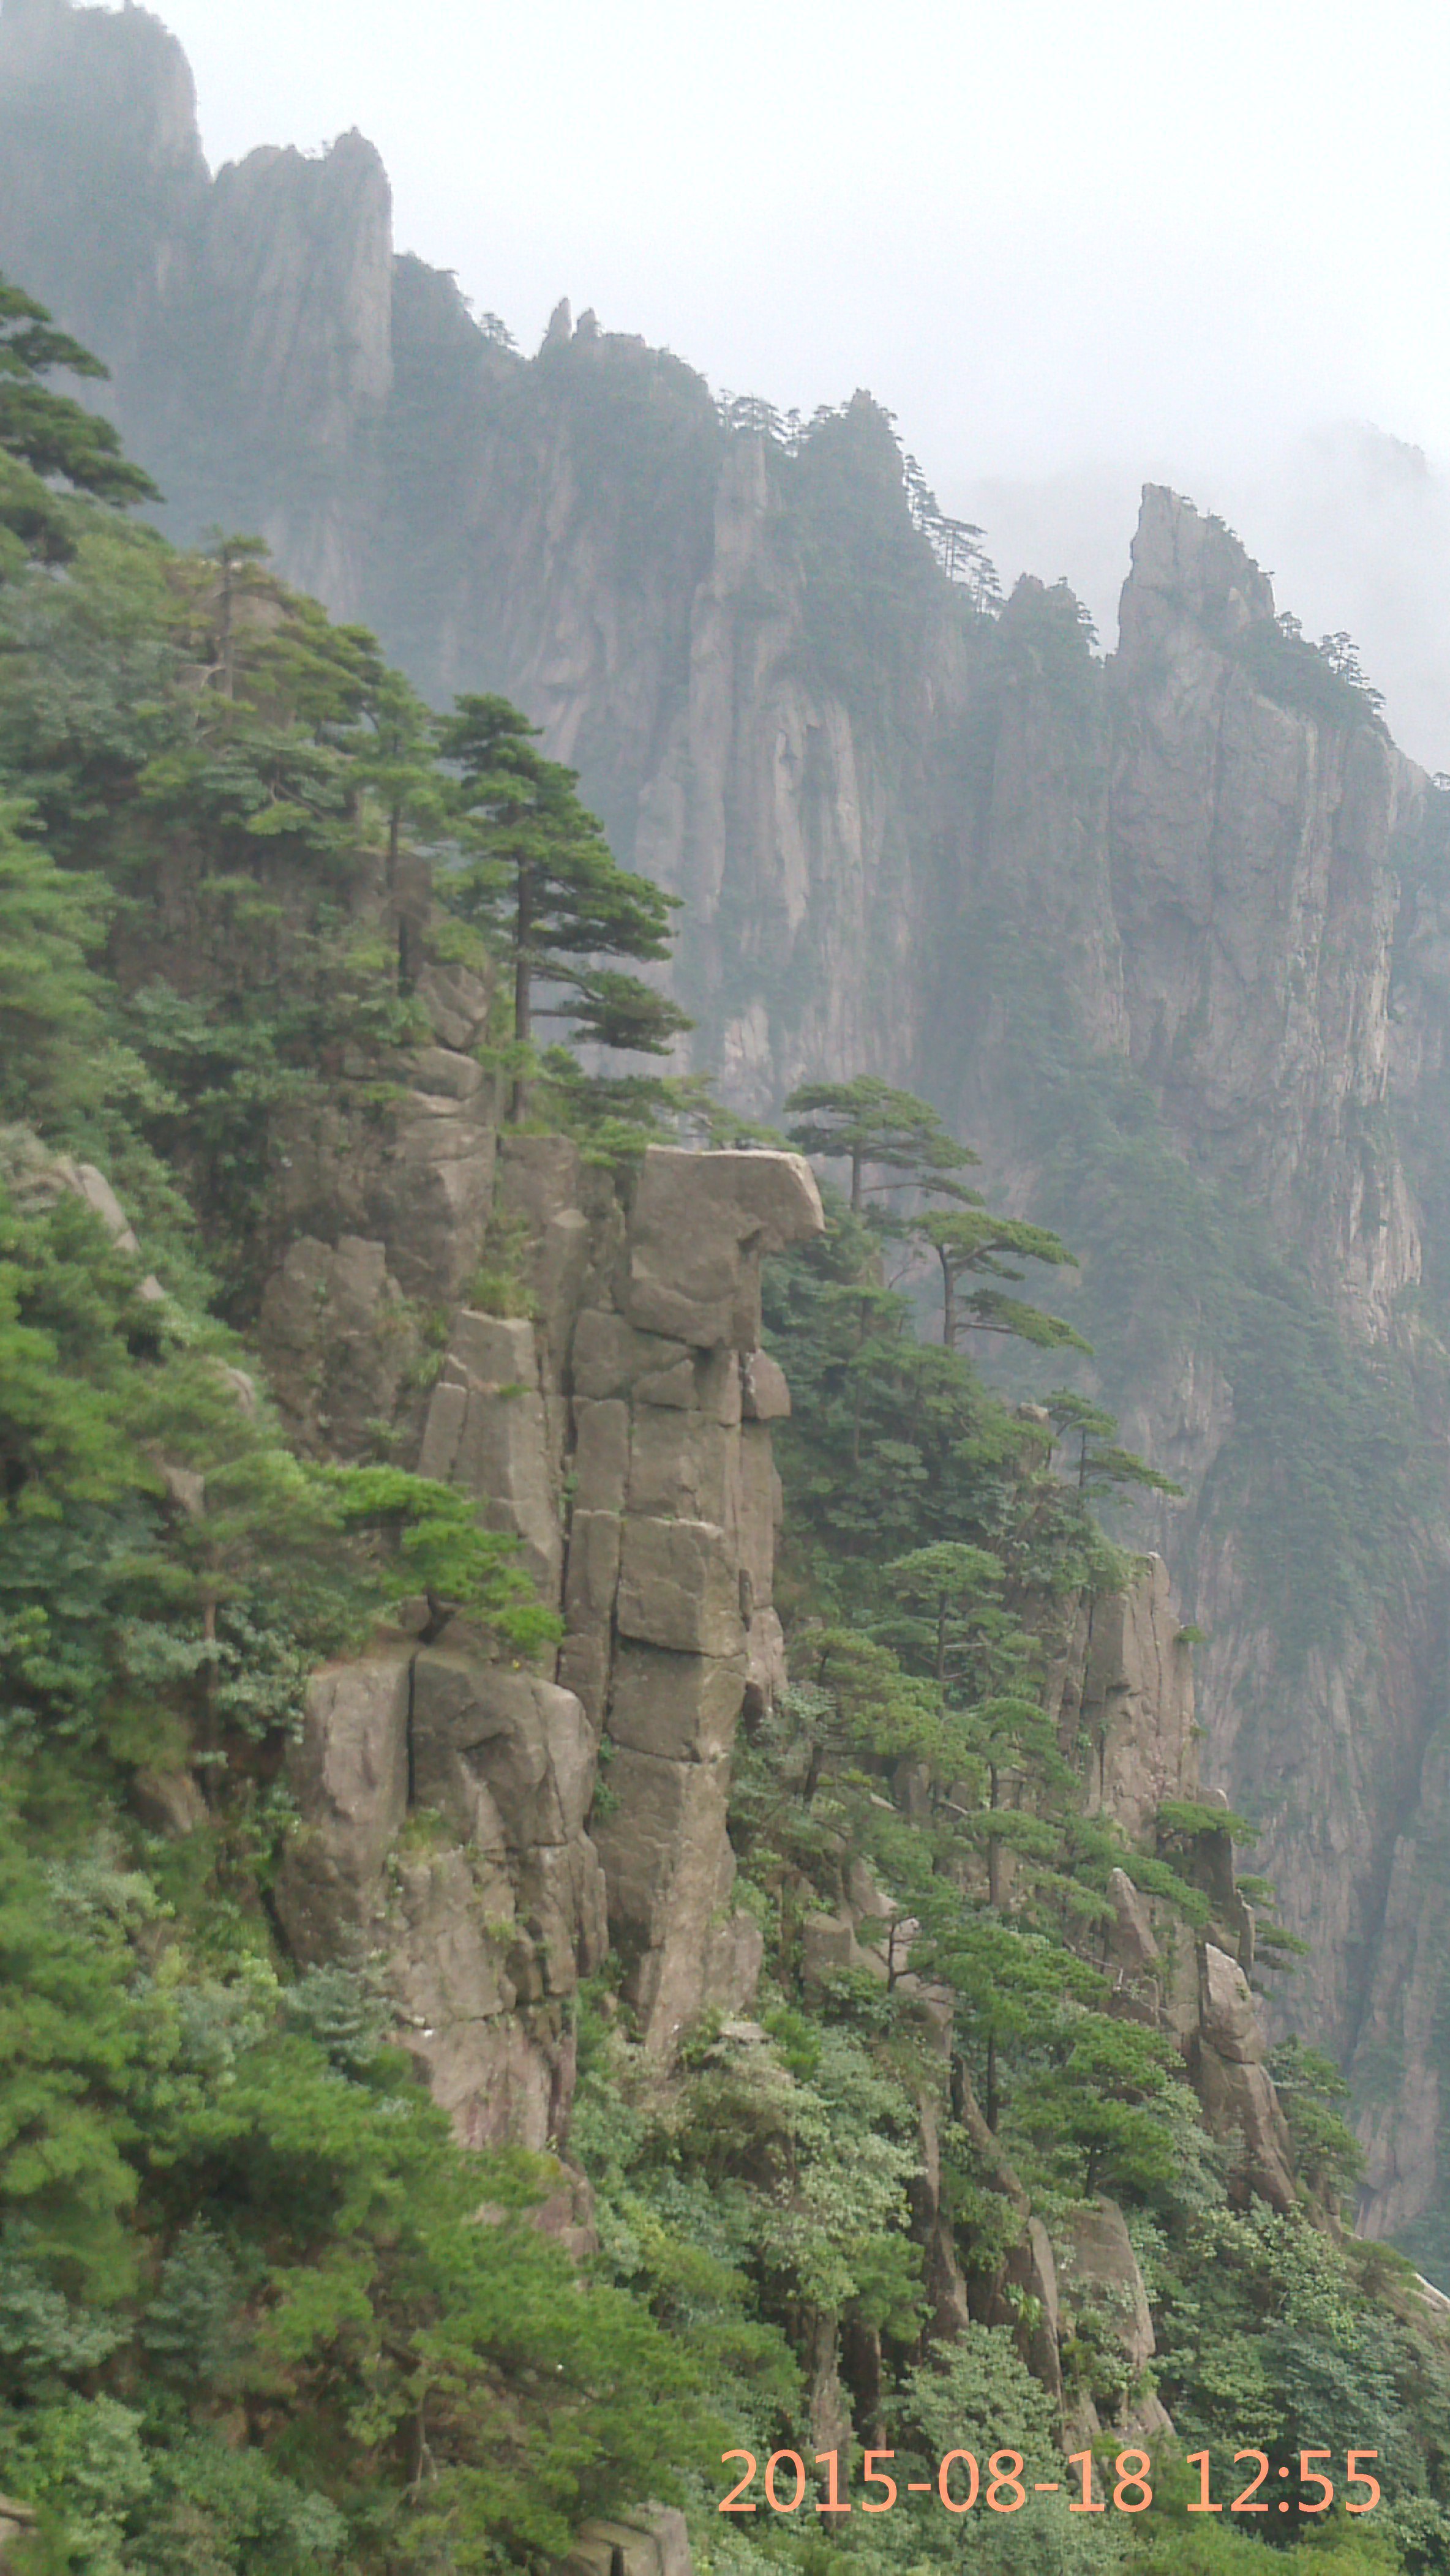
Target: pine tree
x=876, y=1128
x=538, y=874
x=49, y=1008
x=1100, y=1461
x=398, y=761
x=46, y=439
x=971, y=1242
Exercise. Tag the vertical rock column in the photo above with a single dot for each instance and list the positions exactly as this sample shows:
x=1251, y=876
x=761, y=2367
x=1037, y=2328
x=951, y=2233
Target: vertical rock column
x=671, y=1547
x=446, y=1793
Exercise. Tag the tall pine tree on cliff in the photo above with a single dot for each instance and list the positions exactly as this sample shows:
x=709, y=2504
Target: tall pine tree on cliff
x=50, y=445
x=875, y=1128
x=539, y=878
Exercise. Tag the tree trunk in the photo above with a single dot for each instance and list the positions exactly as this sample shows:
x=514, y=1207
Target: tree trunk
x=523, y=989
x=948, y=1303
x=980, y=2131
x=400, y=919
x=228, y=669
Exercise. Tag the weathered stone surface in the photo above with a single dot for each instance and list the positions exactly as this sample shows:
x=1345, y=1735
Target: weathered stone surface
x=661, y=1848
x=168, y=1802
x=458, y=1003
x=702, y=1381
x=443, y=1074
x=337, y=1340
x=933, y=2229
x=1032, y=2272
x=607, y=1356
x=765, y=1663
x=1131, y=1941
x=488, y=1431
x=653, y=2543
x=754, y=1497
x=592, y=1578
x=1227, y=2016
x=765, y=1397
x=829, y=1948
x=828, y=2413
x=685, y=1707
x=1401, y=2134
x=679, y=1586
x=668, y=1869
x=494, y=1350
x=507, y=2079
x=601, y=1454
x=697, y=1230
x=562, y=1904
x=350, y=1776
x=584, y=1670
x=507, y=1758
x=98, y=1194
x=430, y=1195
x=1239, y=2100
x=448, y=1963
x=1097, y=2268
x=682, y=1466
x=735, y=1955
x=1137, y=1702
x=540, y=1181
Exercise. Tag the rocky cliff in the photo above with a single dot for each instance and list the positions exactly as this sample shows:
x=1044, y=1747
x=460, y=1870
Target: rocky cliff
x=1166, y=933
x=616, y=1421
x=483, y=1834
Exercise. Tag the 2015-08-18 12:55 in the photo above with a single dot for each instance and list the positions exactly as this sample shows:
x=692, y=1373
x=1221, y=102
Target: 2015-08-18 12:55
x=1006, y=2490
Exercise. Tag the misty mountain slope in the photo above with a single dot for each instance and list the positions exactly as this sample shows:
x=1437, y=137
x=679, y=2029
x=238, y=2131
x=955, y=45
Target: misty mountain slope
x=1168, y=932
x=1356, y=520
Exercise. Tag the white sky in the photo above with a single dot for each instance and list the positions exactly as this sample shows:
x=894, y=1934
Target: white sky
x=1069, y=245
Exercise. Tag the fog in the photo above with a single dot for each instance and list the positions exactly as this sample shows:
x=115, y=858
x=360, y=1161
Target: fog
x=1071, y=248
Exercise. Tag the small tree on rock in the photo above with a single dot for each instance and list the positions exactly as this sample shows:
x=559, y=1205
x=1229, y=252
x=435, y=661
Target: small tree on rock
x=877, y=1129
x=1100, y=1461
x=972, y=1243
x=538, y=875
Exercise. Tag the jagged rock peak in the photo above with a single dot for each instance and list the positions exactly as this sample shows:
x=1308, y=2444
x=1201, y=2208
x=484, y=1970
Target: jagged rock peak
x=1187, y=568
x=122, y=74
x=561, y=325
x=350, y=158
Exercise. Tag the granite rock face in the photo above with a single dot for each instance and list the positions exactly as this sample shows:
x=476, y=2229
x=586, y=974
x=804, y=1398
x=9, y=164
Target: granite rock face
x=454, y=1827
x=1208, y=878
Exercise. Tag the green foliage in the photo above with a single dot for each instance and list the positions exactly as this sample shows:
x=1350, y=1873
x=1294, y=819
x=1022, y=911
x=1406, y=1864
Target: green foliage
x=1311, y=2089
x=50, y=1017
x=250, y=2317
x=872, y=1127
x=1266, y=2339
x=973, y=1243
x=49, y=440
x=1324, y=1474
x=536, y=875
x=1322, y=680
x=259, y=2312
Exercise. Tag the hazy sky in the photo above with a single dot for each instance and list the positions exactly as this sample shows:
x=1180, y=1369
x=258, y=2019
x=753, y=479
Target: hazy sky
x=1070, y=245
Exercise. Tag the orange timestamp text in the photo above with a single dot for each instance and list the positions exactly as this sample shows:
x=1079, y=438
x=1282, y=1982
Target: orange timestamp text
x=1000, y=2485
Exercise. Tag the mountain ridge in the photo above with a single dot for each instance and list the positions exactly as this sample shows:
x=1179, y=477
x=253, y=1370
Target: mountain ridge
x=1162, y=932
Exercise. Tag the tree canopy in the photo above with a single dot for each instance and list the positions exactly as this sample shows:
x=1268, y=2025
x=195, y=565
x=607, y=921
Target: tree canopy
x=49, y=443
x=877, y=1129
x=538, y=877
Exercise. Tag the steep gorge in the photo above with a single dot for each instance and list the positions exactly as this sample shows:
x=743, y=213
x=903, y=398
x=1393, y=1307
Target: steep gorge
x=1164, y=933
